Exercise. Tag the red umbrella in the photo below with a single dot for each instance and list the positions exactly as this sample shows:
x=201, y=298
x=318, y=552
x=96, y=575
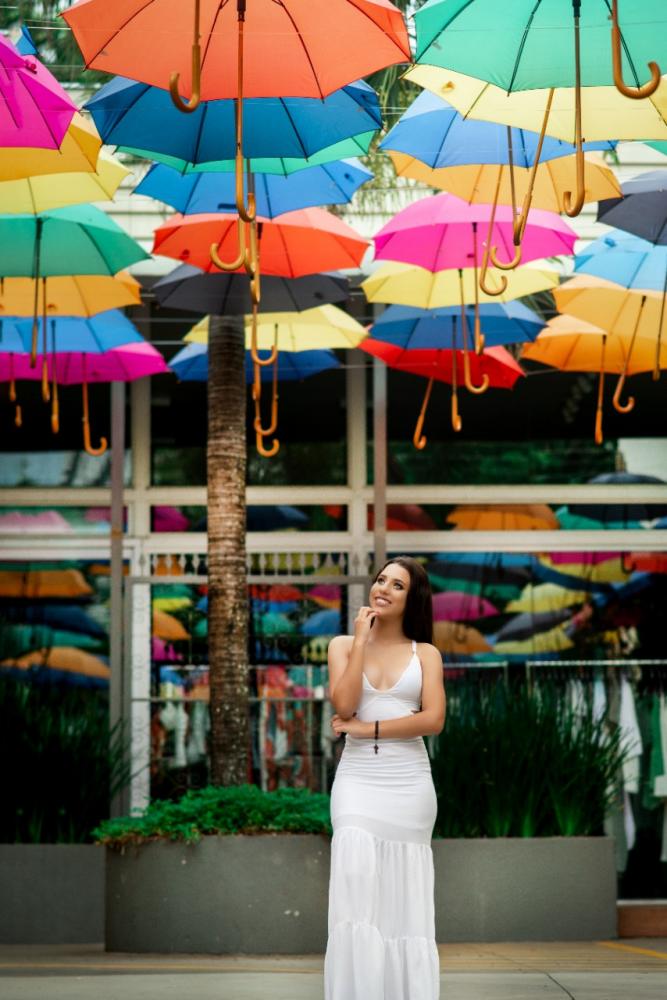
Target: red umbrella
x=494, y=364
x=292, y=245
x=646, y=562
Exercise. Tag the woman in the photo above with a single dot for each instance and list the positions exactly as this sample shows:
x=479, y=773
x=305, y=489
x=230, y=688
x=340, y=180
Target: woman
x=386, y=686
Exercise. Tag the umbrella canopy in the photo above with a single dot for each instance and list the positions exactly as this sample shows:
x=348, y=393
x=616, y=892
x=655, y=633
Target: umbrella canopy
x=312, y=329
x=496, y=362
x=324, y=622
x=407, y=285
x=503, y=517
x=646, y=562
x=444, y=231
x=93, y=334
x=328, y=595
x=609, y=571
x=546, y=597
x=623, y=514
x=77, y=240
x=69, y=295
x=412, y=328
x=613, y=308
x=298, y=243
x=166, y=626
x=305, y=50
x=604, y=111
x=571, y=344
x=191, y=364
x=641, y=209
x=554, y=640
x=434, y=132
x=67, y=658
x=54, y=616
x=134, y=115
x=329, y=184
x=455, y=639
x=456, y=605
x=40, y=193
x=35, y=111
x=44, y=584
x=477, y=183
x=122, y=364
x=626, y=260
x=78, y=153
x=527, y=624
x=221, y=294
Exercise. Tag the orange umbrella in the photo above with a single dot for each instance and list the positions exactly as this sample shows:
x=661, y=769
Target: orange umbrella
x=307, y=241
x=646, y=562
x=44, y=583
x=165, y=626
x=453, y=637
x=503, y=517
x=69, y=658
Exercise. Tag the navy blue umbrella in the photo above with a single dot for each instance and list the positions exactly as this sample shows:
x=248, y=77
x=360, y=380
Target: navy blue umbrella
x=191, y=364
x=425, y=329
x=643, y=208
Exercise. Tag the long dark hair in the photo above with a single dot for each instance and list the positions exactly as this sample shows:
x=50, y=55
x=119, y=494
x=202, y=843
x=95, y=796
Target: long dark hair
x=418, y=616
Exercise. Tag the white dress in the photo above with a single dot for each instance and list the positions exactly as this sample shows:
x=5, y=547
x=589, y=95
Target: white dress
x=381, y=942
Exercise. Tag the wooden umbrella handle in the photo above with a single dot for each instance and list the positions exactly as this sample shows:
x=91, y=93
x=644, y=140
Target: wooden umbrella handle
x=195, y=98
x=636, y=93
x=419, y=439
x=573, y=206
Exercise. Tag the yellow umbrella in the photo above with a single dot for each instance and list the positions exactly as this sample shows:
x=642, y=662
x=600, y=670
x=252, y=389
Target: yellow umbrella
x=44, y=583
x=407, y=285
x=608, y=571
x=69, y=658
x=310, y=330
x=503, y=517
x=41, y=192
x=553, y=641
x=452, y=637
x=166, y=626
x=477, y=182
x=79, y=151
x=546, y=597
x=69, y=295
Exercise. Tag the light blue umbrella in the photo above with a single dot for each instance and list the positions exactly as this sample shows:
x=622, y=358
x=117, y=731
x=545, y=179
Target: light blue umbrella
x=134, y=115
x=92, y=334
x=435, y=133
x=191, y=364
x=328, y=184
x=626, y=260
x=424, y=329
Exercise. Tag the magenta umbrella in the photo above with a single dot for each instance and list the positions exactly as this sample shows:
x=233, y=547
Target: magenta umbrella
x=121, y=364
x=585, y=558
x=35, y=111
x=457, y=606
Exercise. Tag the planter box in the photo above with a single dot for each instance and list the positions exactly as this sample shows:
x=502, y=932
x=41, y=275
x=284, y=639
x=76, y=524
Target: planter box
x=267, y=894
x=51, y=894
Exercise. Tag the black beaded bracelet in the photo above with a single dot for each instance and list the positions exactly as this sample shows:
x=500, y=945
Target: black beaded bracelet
x=377, y=729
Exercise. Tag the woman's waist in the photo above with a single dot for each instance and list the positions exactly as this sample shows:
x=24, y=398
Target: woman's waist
x=406, y=748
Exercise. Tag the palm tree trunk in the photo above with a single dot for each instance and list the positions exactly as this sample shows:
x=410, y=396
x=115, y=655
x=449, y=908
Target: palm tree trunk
x=227, y=589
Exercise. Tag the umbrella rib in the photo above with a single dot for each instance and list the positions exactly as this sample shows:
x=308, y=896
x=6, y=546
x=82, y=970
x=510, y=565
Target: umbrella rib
x=303, y=45
x=444, y=139
x=293, y=124
x=420, y=55
x=117, y=31
x=522, y=45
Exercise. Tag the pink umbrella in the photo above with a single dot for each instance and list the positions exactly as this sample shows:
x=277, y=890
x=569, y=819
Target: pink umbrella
x=583, y=558
x=162, y=650
x=444, y=231
x=35, y=111
x=327, y=595
x=456, y=605
x=121, y=364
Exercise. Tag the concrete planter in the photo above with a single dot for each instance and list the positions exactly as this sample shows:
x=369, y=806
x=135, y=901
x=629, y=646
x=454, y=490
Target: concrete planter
x=51, y=894
x=268, y=893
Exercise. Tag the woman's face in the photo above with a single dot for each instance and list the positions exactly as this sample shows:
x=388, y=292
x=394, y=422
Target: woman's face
x=389, y=593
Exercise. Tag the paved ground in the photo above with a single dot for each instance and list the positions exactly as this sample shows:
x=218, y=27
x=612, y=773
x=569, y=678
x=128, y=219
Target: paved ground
x=599, y=970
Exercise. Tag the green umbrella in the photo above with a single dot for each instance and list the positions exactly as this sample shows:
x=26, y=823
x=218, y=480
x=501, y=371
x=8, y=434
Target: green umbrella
x=80, y=239
x=356, y=145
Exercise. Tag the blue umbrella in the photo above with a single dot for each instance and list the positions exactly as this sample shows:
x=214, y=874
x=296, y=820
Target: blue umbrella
x=328, y=184
x=435, y=133
x=191, y=364
x=131, y=114
x=642, y=210
x=325, y=622
x=93, y=334
x=626, y=260
x=411, y=328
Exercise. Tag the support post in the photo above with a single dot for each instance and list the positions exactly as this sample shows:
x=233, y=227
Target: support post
x=379, y=462
x=116, y=688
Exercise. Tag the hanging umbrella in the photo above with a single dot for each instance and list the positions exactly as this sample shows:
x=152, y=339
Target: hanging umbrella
x=623, y=514
x=527, y=624
x=646, y=562
x=304, y=50
x=401, y=517
x=502, y=567
x=40, y=193
x=641, y=209
x=407, y=285
x=412, y=328
x=35, y=111
x=69, y=295
x=571, y=344
x=298, y=243
x=328, y=595
x=503, y=517
x=66, y=616
x=324, y=622
x=455, y=639
x=92, y=334
x=495, y=365
x=65, y=658
x=135, y=116
x=166, y=626
x=191, y=364
x=44, y=584
x=329, y=184
x=609, y=571
x=550, y=46
x=78, y=152
x=624, y=259
x=546, y=597
x=454, y=605
x=190, y=289
x=555, y=640
x=312, y=329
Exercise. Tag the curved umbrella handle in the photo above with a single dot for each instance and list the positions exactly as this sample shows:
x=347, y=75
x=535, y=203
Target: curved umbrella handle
x=573, y=206
x=487, y=245
x=273, y=357
x=266, y=452
x=257, y=423
x=636, y=93
x=618, y=405
x=195, y=99
x=55, y=410
x=243, y=259
x=477, y=390
x=247, y=213
x=419, y=439
x=505, y=265
x=483, y=279
x=102, y=447
x=457, y=423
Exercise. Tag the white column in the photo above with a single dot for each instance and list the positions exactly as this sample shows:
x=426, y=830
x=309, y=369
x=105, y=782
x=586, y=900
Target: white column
x=357, y=474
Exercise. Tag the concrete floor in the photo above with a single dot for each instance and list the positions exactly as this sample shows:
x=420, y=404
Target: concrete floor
x=599, y=970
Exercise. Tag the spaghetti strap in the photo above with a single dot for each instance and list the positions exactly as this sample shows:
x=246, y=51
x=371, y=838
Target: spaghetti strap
x=414, y=646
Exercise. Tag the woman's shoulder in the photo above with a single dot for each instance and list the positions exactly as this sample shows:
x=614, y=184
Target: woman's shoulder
x=341, y=642
x=427, y=651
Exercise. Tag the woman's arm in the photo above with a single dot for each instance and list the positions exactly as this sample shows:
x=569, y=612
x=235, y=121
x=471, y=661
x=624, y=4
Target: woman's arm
x=346, y=665
x=428, y=722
